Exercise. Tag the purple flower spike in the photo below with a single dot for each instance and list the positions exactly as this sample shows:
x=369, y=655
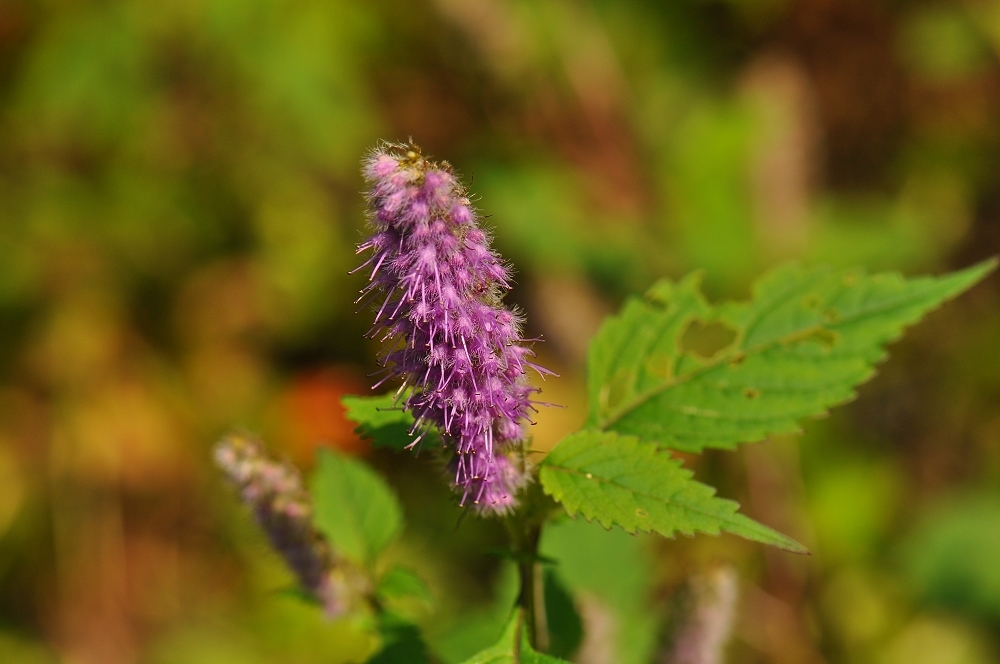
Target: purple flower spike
x=283, y=509
x=438, y=290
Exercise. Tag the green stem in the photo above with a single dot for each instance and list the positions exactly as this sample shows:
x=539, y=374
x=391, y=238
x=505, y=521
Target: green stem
x=525, y=530
x=525, y=536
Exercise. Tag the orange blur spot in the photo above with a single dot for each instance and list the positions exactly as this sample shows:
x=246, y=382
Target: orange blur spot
x=314, y=416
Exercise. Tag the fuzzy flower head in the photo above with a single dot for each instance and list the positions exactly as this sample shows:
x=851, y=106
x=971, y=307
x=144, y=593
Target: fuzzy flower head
x=283, y=509
x=437, y=288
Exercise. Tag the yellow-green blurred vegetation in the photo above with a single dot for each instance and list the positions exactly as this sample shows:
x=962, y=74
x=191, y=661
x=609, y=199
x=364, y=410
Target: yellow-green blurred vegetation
x=179, y=204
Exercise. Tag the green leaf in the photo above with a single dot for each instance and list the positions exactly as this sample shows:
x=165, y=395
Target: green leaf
x=614, y=569
x=952, y=557
x=611, y=565
x=383, y=421
x=799, y=346
x=565, y=625
x=354, y=508
x=401, y=643
x=621, y=480
x=403, y=583
x=477, y=628
x=513, y=647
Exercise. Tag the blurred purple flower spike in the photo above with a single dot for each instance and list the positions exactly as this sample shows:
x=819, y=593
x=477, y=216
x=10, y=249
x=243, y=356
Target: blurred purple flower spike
x=438, y=288
x=283, y=509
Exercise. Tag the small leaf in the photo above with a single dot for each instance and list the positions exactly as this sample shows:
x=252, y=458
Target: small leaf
x=801, y=345
x=401, y=643
x=403, y=583
x=383, y=420
x=354, y=507
x=620, y=480
x=565, y=625
x=513, y=647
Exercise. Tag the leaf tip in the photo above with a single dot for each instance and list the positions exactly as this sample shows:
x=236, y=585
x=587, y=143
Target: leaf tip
x=966, y=278
x=789, y=545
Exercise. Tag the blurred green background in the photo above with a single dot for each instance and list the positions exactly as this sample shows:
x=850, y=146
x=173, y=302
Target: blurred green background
x=179, y=202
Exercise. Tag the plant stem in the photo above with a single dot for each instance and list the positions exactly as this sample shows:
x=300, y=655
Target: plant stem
x=525, y=539
x=525, y=530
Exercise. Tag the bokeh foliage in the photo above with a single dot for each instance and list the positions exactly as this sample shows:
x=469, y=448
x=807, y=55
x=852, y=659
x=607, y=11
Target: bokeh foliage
x=178, y=207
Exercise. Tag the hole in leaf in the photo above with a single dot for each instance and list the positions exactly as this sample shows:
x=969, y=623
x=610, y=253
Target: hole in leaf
x=641, y=513
x=705, y=340
x=660, y=365
x=825, y=337
x=751, y=392
x=821, y=335
x=618, y=388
